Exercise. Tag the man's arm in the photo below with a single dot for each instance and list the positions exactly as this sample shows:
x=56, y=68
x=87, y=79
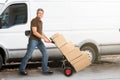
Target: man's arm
x=34, y=30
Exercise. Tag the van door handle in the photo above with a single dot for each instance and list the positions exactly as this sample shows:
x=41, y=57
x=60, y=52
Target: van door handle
x=27, y=33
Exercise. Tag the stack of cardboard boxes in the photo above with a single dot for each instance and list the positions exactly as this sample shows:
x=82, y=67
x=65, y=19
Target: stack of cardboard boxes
x=78, y=59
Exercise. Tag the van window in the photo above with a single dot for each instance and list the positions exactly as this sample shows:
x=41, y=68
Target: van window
x=14, y=14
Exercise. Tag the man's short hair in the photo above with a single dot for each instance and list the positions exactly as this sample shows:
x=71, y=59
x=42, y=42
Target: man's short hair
x=40, y=9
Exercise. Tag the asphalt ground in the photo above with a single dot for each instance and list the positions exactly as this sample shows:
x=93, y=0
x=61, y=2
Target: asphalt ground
x=108, y=68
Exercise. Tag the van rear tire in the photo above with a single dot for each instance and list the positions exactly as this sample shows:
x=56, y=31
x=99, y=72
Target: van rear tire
x=93, y=53
x=1, y=62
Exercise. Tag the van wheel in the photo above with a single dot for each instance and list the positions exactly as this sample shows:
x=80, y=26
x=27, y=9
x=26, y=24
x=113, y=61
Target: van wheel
x=92, y=53
x=1, y=62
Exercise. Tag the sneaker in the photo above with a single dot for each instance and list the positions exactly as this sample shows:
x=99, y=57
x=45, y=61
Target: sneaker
x=48, y=72
x=23, y=73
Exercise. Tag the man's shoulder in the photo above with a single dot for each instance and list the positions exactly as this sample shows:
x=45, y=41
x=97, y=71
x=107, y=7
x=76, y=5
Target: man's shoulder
x=34, y=19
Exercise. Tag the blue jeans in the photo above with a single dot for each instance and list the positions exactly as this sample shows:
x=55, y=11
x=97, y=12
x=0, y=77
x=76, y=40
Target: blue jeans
x=31, y=46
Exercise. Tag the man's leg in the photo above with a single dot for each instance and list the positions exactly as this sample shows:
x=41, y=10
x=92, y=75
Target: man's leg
x=31, y=46
x=43, y=50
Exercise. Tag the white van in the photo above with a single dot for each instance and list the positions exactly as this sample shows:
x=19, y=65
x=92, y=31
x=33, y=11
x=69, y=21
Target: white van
x=92, y=25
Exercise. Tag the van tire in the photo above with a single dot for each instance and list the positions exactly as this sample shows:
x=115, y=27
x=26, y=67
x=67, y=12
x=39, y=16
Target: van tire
x=1, y=62
x=93, y=52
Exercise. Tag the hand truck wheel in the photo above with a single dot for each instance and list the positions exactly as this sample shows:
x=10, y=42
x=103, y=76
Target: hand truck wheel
x=68, y=71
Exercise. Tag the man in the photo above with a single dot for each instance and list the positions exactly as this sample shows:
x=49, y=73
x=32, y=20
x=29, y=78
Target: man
x=35, y=41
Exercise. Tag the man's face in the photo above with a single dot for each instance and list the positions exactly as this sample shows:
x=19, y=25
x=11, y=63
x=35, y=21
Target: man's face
x=40, y=14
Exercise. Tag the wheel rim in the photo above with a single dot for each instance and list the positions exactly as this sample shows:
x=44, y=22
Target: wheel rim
x=90, y=54
x=68, y=72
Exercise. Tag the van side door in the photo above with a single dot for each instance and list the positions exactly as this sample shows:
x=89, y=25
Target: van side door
x=12, y=29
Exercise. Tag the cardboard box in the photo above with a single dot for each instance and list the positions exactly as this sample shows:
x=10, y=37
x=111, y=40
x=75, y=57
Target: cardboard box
x=54, y=36
x=81, y=65
x=83, y=56
x=81, y=62
x=67, y=48
x=59, y=40
x=78, y=59
x=75, y=53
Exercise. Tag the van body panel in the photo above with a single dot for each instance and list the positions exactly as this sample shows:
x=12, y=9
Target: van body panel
x=80, y=21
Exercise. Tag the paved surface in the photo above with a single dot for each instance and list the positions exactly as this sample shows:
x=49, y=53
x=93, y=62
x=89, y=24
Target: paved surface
x=107, y=69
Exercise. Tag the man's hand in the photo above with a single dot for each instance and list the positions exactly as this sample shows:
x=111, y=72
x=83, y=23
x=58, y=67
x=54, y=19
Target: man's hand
x=47, y=40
